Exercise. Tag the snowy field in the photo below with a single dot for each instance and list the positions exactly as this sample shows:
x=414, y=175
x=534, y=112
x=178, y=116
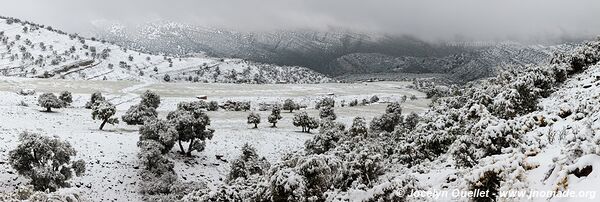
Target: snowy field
x=112, y=164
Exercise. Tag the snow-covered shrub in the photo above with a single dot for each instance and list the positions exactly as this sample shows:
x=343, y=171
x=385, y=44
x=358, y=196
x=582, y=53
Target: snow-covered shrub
x=236, y=106
x=254, y=118
x=396, y=189
x=66, y=97
x=290, y=105
x=287, y=185
x=27, y=193
x=249, y=163
x=374, y=99
x=487, y=137
x=95, y=97
x=275, y=116
x=191, y=123
x=26, y=92
x=223, y=193
x=325, y=140
x=212, y=106
x=325, y=102
x=386, y=122
x=49, y=101
x=160, y=131
x=138, y=114
x=581, y=58
x=302, y=178
x=353, y=103
x=411, y=121
x=46, y=161
x=505, y=172
x=360, y=167
x=150, y=99
x=358, y=128
x=327, y=113
x=104, y=111
x=306, y=122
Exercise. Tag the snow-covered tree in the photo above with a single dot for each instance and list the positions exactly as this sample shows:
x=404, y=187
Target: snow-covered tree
x=49, y=101
x=327, y=138
x=358, y=128
x=254, y=118
x=306, y=122
x=137, y=114
x=191, y=123
x=327, y=113
x=150, y=99
x=66, y=97
x=325, y=102
x=212, y=106
x=249, y=163
x=374, y=99
x=275, y=116
x=160, y=131
x=104, y=111
x=46, y=161
x=290, y=105
x=96, y=97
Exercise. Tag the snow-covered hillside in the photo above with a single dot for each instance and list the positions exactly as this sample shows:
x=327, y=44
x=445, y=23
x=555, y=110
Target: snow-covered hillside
x=31, y=50
x=344, y=54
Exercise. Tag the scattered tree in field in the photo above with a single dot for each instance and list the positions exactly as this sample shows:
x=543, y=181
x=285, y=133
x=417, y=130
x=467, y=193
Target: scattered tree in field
x=150, y=99
x=254, y=118
x=104, y=111
x=138, y=114
x=290, y=105
x=374, y=99
x=327, y=113
x=160, y=131
x=167, y=78
x=353, y=103
x=96, y=97
x=325, y=102
x=275, y=116
x=46, y=161
x=306, y=122
x=66, y=97
x=191, y=123
x=49, y=101
x=212, y=106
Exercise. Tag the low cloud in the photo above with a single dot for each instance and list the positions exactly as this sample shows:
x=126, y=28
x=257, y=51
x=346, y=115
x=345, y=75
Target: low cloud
x=427, y=19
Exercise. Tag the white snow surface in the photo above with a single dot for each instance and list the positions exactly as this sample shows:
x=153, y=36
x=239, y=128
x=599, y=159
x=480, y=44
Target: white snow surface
x=111, y=155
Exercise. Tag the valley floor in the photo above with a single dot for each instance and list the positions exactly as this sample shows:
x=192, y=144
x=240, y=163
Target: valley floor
x=112, y=164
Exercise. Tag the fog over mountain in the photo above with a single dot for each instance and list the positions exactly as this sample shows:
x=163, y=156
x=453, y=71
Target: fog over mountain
x=431, y=20
x=336, y=37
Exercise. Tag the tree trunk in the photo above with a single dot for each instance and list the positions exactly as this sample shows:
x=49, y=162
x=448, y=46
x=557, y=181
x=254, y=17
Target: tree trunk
x=181, y=147
x=291, y=110
x=255, y=125
x=274, y=126
x=189, y=152
x=103, y=122
x=48, y=109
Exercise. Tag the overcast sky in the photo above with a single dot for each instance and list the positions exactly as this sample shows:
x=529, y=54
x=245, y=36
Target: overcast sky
x=428, y=19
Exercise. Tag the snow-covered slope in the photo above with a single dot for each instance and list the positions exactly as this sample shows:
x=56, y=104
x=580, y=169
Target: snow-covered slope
x=31, y=50
x=342, y=53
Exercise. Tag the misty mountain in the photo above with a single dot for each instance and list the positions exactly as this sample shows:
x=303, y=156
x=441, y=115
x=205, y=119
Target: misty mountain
x=339, y=53
x=31, y=50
